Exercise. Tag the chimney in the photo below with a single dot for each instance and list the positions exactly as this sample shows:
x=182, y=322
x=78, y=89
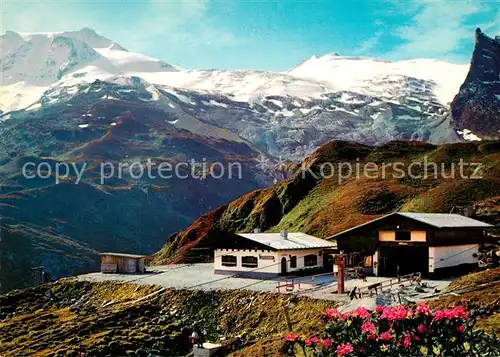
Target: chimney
x=256, y=230
x=284, y=234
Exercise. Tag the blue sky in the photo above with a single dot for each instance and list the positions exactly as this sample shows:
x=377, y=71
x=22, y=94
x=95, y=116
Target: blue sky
x=267, y=35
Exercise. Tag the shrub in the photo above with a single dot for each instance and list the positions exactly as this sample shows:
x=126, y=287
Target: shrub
x=395, y=331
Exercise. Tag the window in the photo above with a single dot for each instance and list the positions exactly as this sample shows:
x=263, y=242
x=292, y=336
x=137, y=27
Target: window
x=310, y=260
x=228, y=261
x=368, y=260
x=293, y=262
x=403, y=235
x=249, y=262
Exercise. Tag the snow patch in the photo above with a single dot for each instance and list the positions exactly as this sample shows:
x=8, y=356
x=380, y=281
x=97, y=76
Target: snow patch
x=110, y=97
x=308, y=110
x=154, y=93
x=5, y=117
x=214, y=103
x=276, y=102
x=469, y=135
x=184, y=99
x=408, y=117
x=286, y=113
x=34, y=106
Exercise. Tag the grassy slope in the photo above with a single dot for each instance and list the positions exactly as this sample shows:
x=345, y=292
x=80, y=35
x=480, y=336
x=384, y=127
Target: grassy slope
x=485, y=301
x=323, y=207
x=67, y=316
x=483, y=304
x=106, y=318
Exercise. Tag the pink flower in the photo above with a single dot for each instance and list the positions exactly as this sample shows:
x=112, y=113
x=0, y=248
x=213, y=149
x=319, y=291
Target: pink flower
x=327, y=343
x=385, y=336
x=312, y=341
x=422, y=328
x=461, y=328
x=379, y=309
x=439, y=315
x=394, y=313
x=407, y=341
x=344, y=349
x=291, y=337
x=423, y=309
x=368, y=327
x=455, y=313
x=331, y=314
x=361, y=312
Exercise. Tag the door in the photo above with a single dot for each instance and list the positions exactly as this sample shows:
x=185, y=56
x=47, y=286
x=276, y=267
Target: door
x=405, y=259
x=132, y=266
x=283, y=266
x=328, y=262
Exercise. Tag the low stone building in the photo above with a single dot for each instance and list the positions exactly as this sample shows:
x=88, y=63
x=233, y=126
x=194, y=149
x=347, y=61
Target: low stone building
x=122, y=263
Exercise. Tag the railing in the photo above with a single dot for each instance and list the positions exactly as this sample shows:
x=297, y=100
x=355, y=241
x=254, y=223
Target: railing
x=389, y=283
x=288, y=285
x=294, y=284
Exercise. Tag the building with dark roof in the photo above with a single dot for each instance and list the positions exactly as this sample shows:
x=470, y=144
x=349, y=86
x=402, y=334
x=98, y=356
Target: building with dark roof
x=406, y=242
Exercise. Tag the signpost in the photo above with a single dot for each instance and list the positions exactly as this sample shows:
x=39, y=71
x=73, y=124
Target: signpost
x=339, y=262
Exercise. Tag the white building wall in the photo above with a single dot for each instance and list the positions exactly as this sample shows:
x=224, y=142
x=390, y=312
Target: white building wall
x=375, y=263
x=442, y=257
x=300, y=254
x=267, y=260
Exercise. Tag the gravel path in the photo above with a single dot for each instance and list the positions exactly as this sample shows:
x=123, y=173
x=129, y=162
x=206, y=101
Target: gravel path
x=201, y=276
x=186, y=276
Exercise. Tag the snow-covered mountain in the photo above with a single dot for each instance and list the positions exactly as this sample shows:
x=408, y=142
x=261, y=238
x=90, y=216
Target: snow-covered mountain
x=31, y=63
x=374, y=76
x=285, y=114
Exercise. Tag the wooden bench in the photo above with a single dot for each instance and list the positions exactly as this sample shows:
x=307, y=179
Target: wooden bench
x=374, y=286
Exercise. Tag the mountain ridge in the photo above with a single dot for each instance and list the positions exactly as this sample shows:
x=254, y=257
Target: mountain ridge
x=287, y=114
x=322, y=206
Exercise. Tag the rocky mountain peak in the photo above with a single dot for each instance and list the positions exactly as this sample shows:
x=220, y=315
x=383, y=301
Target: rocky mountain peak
x=477, y=105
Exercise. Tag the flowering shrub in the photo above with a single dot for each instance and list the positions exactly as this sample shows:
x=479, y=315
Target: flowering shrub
x=395, y=331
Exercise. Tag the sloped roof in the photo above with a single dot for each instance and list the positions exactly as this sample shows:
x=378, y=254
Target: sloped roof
x=123, y=255
x=445, y=220
x=438, y=220
x=293, y=240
